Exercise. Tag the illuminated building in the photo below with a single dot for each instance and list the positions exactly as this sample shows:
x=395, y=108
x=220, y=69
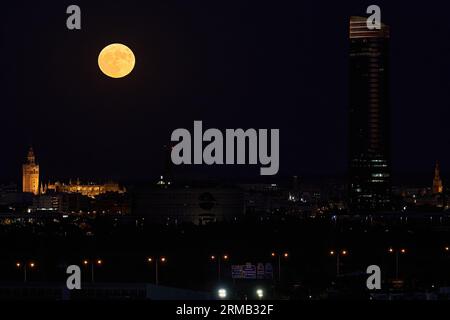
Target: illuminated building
x=47, y=203
x=437, y=182
x=30, y=174
x=178, y=204
x=369, y=147
x=91, y=190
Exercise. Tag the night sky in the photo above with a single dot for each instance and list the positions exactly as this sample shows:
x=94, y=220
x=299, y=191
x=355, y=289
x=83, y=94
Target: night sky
x=231, y=64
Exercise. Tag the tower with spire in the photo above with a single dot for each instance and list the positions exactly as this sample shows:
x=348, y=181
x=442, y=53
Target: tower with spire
x=437, y=182
x=30, y=174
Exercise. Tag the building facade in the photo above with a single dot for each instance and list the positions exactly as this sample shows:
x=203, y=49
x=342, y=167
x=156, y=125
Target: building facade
x=91, y=190
x=369, y=145
x=30, y=174
x=179, y=204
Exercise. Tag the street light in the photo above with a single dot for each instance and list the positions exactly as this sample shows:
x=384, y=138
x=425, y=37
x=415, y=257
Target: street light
x=219, y=259
x=397, y=252
x=279, y=255
x=93, y=263
x=338, y=254
x=157, y=261
x=260, y=293
x=222, y=293
x=25, y=266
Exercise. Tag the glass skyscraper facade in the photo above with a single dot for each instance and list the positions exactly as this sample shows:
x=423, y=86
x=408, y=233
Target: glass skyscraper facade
x=369, y=147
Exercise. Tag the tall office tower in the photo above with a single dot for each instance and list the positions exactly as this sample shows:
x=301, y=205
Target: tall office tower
x=30, y=174
x=369, y=148
x=437, y=182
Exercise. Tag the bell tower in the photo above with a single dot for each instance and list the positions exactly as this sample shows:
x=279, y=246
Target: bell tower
x=30, y=174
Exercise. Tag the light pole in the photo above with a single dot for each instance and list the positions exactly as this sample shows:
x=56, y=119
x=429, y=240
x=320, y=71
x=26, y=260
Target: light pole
x=279, y=255
x=222, y=293
x=260, y=294
x=25, y=266
x=157, y=261
x=338, y=254
x=397, y=257
x=447, y=251
x=219, y=259
x=93, y=263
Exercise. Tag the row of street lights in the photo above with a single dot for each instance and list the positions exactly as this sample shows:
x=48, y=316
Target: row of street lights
x=397, y=251
x=92, y=264
x=26, y=266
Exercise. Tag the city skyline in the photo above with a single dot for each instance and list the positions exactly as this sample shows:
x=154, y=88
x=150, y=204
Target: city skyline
x=167, y=174
x=307, y=84
x=235, y=152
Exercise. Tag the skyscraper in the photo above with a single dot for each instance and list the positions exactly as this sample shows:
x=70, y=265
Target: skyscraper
x=30, y=174
x=369, y=147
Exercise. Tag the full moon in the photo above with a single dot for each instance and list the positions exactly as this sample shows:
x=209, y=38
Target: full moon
x=116, y=60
